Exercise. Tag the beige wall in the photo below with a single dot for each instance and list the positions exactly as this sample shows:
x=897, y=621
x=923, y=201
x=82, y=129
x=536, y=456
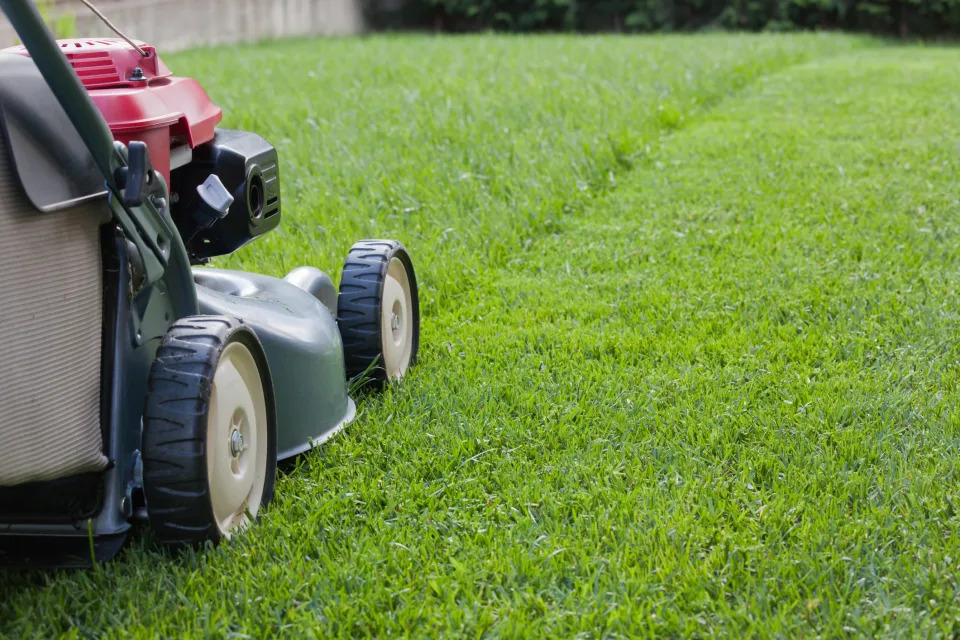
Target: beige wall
x=177, y=24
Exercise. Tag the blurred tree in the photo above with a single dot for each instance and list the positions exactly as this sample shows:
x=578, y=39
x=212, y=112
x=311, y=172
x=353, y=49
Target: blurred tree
x=899, y=17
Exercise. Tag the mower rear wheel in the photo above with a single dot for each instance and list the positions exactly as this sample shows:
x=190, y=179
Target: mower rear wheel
x=378, y=310
x=209, y=441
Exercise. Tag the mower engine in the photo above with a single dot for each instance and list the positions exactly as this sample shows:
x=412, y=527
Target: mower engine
x=224, y=184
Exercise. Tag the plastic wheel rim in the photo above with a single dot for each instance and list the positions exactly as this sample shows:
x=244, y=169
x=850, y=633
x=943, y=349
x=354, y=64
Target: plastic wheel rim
x=236, y=450
x=396, y=322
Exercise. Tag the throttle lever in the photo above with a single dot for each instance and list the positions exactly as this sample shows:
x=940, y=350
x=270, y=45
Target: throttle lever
x=137, y=174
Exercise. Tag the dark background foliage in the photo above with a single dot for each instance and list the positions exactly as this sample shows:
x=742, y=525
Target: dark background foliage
x=897, y=17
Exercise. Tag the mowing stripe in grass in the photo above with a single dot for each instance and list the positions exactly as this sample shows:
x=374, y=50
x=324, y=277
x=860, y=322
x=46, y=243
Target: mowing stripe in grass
x=467, y=148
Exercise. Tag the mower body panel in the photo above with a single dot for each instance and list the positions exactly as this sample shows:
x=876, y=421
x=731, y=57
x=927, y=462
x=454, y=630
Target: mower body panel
x=303, y=348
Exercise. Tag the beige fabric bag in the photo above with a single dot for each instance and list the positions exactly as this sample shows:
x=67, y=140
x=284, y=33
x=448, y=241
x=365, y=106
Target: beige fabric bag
x=51, y=329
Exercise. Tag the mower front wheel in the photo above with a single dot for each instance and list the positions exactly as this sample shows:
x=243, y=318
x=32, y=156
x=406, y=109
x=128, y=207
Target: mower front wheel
x=378, y=310
x=209, y=442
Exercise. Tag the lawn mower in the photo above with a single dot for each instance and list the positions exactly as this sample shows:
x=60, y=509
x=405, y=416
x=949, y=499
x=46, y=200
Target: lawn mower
x=137, y=383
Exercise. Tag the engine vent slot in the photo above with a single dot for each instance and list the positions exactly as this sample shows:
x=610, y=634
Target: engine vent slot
x=95, y=68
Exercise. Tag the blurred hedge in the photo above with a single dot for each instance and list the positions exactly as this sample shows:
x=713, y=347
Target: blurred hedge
x=900, y=17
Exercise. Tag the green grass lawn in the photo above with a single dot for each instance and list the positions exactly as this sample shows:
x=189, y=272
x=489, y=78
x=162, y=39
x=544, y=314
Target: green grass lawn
x=689, y=361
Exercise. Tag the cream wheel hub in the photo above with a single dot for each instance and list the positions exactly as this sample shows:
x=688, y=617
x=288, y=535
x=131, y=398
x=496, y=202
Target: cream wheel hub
x=397, y=321
x=236, y=451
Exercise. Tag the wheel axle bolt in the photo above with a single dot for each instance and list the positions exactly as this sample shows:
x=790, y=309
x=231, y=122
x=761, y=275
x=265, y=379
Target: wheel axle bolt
x=395, y=322
x=236, y=443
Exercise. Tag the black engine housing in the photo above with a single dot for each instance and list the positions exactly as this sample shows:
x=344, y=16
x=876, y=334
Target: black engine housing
x=248, y=167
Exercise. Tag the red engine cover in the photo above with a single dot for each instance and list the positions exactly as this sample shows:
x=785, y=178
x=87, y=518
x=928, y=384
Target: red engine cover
x=152, y=105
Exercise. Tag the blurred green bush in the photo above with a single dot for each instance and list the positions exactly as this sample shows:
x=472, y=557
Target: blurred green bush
x=899, y=17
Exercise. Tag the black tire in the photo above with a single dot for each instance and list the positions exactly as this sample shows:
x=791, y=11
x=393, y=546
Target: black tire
x=360, y=305
x=174, y=441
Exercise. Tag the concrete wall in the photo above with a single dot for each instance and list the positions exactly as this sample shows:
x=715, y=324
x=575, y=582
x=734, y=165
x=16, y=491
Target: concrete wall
x=178, y=24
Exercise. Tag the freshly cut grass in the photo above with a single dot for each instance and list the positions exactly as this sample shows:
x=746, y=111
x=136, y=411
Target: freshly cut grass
x=689, y=357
